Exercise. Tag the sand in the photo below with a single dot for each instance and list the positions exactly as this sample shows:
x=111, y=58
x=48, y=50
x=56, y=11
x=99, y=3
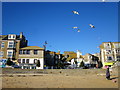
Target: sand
x=58, y=81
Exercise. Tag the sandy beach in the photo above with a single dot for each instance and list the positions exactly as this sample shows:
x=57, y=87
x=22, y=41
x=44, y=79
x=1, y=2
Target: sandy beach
x=58, y=81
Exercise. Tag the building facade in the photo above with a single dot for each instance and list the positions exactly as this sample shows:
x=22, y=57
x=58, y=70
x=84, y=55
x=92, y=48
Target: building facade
x=30, y=56
x=14, y=48
x=10, y=45
x=90, y=60
x=109, y=53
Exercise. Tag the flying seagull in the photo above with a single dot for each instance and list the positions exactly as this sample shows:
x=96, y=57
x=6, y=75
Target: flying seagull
x=92, y=26
x=74, y=27
x=103, y=0
x=78, y=30
x=75, y=12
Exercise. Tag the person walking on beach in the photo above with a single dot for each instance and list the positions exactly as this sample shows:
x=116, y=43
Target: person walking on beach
x=108, y=73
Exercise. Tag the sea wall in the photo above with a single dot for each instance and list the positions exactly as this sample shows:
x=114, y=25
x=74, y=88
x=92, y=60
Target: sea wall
x=59, y=71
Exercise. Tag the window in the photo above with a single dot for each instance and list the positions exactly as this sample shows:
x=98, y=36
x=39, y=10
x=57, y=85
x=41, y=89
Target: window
x=108, y=51
x=9, y=54
x=109, y=58
x=23, y=61
x=117, y=51
x=10, y=44
x=35, y=61
x=28, y=51
x=19, y=60
x=27, y=60
x=13, y=36
x=2, y=44
x=20, y=52
x=35, y=51
x=9, y=36
x=118, y=58
x=1, y=54
x=24, y=51
x=117, y=45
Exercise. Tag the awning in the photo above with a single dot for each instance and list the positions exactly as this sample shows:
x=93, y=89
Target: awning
x=109, y=63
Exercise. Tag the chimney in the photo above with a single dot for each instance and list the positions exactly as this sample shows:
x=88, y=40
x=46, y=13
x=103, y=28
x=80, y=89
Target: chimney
x=59, y=51
x=21, y=34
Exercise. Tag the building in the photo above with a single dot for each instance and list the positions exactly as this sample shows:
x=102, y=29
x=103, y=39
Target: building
x=10, y=45
x=50, y=59
x=109, y=53
x=79, y=58
x=30, y=56
x=14, y=48
x=90, y=60
x=54, y=60
x=71, y=58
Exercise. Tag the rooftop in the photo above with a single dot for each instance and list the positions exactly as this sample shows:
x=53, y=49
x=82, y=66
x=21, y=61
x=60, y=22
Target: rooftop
x=33, y=47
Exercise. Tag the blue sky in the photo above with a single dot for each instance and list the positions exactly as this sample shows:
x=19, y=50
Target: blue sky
x=53, y=22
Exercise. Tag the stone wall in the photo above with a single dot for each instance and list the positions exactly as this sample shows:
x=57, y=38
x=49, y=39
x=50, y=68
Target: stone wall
x=59, y=71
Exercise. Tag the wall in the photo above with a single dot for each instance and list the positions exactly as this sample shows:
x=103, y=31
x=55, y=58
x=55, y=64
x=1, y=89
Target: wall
x=76, y=72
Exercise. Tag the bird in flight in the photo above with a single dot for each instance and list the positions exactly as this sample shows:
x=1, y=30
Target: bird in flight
x=75, y=12
x=103, y=0
x=78, y=30
x=75, y=27
x=92, y=26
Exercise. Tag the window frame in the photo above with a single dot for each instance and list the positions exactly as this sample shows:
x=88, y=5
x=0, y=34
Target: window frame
x=11, y=44
x=2, y=44
x=1, y=53
x=19, y=60
x=35, y=52
x=27, y=60
x=23, y=60
x=10, y=53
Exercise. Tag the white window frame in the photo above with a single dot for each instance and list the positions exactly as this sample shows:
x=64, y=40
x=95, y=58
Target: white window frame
x=11, y=36
x=2, y=44
x=117, y=45
x=10, y=54
x=1, y=53
x=13, y=45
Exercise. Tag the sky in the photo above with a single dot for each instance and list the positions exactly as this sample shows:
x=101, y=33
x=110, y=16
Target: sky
x=53, y=22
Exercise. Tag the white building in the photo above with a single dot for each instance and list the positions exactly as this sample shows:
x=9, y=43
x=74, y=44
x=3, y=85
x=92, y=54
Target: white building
x=79, y=58
x=30, y=56
x=109, y=53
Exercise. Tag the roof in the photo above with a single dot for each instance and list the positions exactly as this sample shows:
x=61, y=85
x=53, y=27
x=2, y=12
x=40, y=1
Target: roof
x=102, y=45
x=3, y=37
x=32, y=47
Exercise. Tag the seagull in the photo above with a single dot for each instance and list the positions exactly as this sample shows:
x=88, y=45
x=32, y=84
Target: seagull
x=74, y=27
x=92, y=26
x=78, y=30
x=103, y=0
x=75, y=12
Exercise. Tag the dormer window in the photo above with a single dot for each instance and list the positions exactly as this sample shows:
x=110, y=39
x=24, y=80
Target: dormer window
x=11, y=36
x=117, y=45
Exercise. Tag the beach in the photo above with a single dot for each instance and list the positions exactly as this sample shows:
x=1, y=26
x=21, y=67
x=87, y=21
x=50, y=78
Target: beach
x=57, y=81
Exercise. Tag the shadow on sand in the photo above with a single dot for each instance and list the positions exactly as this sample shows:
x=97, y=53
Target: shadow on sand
x=113, y=78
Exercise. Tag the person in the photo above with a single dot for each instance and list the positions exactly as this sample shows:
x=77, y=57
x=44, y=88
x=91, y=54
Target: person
x=108, y=73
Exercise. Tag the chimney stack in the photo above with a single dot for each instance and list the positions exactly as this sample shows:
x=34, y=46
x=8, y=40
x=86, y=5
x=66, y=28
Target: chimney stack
x=21, y=34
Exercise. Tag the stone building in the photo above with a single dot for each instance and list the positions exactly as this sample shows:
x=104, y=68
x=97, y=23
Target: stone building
x=10, y=45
